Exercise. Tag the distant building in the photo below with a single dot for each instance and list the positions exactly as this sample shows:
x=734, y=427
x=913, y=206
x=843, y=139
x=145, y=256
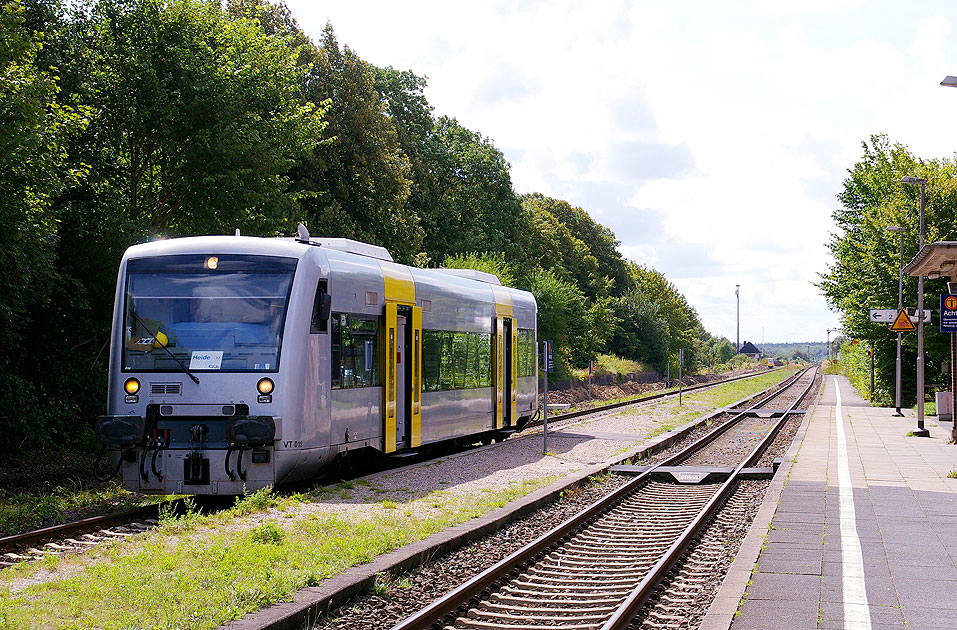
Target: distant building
x=749, y=349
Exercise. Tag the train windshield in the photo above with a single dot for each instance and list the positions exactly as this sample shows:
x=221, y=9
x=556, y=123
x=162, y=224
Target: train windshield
x=205, y=312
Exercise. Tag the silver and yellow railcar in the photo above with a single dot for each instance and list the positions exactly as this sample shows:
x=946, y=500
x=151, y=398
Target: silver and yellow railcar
x=241, y=362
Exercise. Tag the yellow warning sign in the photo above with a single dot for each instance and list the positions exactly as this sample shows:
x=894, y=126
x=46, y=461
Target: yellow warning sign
x=902, y=322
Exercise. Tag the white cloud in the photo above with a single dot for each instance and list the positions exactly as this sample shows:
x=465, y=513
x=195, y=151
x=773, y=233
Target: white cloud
x=711, y=137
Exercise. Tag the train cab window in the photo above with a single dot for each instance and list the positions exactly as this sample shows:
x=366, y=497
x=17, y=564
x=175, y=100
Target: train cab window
x=321, y=308
x=355, y=351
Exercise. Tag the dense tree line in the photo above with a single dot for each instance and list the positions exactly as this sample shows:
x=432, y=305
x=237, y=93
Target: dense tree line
x=126, y=120
x=866, y=265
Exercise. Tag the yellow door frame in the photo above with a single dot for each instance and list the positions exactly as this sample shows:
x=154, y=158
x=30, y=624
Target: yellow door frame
x=497, y=361
x=390, y=355
x=399, y=290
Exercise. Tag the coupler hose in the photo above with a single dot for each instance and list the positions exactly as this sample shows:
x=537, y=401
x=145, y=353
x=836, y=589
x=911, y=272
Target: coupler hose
x=96, y=466
x=239, y=462
x=146, y=451
x=229, y=471
x=159, y=446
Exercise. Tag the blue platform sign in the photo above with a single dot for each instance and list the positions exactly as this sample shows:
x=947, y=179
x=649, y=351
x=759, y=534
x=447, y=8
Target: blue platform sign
x=948, y=313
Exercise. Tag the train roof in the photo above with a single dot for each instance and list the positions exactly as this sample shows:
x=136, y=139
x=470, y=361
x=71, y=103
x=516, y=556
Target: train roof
x=297, y=247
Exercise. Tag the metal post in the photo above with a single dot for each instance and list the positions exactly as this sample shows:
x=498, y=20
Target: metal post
x=900, y=305
x=872, y=374
x=921, y=431
x=589, y=381
x=953, y=386
x=681, y=360
x=545, y=399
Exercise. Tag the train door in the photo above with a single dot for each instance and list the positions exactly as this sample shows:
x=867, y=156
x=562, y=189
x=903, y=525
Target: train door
x=513, y=371
x=401, y=360
x=498, y=365
x=508, y=378
x=403, y=377
x=504, y=360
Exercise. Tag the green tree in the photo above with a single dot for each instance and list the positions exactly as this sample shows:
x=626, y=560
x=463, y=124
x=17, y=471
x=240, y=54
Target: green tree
x=560, y=308
x=684, y=327
x=642, y=334
x=356, y=185
x=35, y=129
x=566, y=238
x=193, y=120
x=199, y=116
x=490, y=263
x=864, y=273
x=461, y=188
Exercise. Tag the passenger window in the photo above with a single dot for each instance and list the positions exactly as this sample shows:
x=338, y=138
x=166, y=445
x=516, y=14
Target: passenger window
x=431, y=357
x=355, y=351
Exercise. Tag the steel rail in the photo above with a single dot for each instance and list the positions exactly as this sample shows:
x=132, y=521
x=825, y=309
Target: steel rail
x=640, y=399
x=626, y=612
x=449, y=603
x=58, y=532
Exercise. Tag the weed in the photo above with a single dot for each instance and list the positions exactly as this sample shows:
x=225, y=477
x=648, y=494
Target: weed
x=258, y=501
x=952, y=474
x=171, y=518
x=268, y=533
x=389, y=504
x=383, y=585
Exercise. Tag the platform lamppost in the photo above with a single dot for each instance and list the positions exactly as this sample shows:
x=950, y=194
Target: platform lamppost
x=920, y=431
x=900, y=304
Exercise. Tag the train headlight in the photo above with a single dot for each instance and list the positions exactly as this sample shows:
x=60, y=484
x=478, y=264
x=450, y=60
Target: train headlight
x=265, y=386
x=212, y=263
x=131, y=386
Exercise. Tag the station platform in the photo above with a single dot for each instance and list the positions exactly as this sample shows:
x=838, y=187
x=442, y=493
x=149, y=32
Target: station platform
x=858, y=530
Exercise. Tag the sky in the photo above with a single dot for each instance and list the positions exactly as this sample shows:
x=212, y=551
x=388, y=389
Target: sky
x=710, y=137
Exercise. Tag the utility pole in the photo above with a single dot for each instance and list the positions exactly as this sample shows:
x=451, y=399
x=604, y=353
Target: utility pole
x=737, y=339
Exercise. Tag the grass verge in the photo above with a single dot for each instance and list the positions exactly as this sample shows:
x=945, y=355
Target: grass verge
x=226, y=566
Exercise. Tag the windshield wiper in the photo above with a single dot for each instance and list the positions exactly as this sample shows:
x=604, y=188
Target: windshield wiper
x=163, y=346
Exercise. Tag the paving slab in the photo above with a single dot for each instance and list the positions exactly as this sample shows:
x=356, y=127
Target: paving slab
x=859, y=528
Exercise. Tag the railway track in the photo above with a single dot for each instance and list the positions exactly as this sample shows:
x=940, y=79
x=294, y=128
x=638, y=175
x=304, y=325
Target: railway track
x=641, y=398
x=598, y=569
x=76, y=536
x=81, y=535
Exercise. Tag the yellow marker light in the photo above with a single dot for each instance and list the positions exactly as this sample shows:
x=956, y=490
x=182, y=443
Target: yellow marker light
x=212, y=262
x=265, y=386
x=131, y=386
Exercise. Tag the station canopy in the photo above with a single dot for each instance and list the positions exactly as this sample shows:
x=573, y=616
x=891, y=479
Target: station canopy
x=934, y=260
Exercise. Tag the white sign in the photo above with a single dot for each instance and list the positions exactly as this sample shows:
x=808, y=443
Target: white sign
x=206, y=360
x=888, y=315
x=883, y=315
